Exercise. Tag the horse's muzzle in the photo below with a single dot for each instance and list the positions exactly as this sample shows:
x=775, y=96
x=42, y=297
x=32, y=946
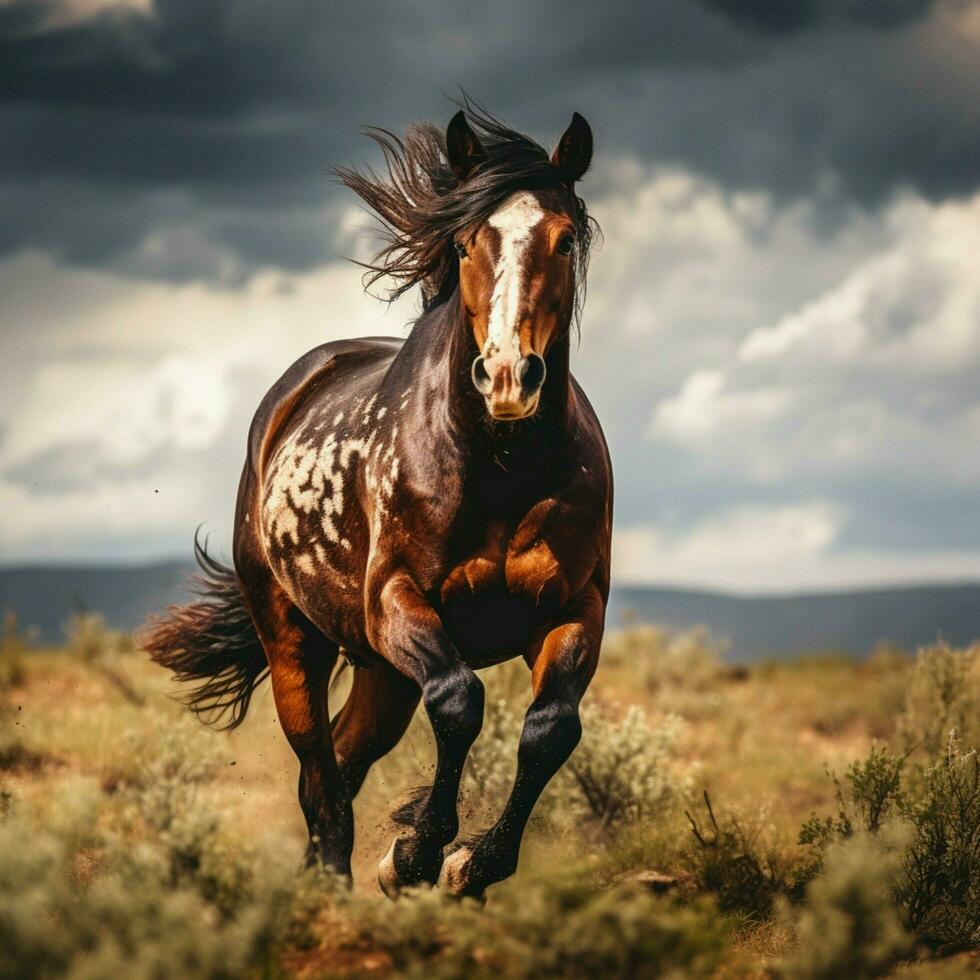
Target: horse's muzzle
x=511, y=390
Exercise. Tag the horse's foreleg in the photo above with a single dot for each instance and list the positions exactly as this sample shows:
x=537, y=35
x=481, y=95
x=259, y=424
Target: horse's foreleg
x=561, y=668
x=410, y=636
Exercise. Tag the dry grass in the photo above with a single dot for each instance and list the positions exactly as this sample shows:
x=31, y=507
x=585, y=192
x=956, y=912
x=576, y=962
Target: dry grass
x=671, y=720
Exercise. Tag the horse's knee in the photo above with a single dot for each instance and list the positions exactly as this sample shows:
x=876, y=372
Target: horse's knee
x=454, y=702
x=551, y=731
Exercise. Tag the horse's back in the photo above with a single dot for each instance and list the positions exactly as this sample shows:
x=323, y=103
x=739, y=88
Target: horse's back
x=329, y=364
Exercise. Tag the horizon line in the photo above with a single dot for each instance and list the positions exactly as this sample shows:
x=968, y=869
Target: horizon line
x=760, y=592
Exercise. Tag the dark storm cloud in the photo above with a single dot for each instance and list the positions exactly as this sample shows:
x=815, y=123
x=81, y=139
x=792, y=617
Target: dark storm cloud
x=775, y=17
x=219, y=119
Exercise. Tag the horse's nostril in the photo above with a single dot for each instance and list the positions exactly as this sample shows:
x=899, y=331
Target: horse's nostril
x=482, y=380
x=530, y=372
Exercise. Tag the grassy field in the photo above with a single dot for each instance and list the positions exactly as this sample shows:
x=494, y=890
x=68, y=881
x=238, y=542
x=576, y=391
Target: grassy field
x=806, y=819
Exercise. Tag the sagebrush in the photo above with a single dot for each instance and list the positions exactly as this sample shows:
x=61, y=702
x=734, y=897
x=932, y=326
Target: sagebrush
x=134, y=841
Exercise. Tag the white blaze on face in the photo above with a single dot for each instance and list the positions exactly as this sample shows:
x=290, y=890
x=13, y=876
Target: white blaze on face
x=515, y=221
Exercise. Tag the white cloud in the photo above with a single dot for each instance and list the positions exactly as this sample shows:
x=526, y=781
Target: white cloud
x=703, y=405
x=742, y=547
x=781, y=548
x=877, y=374
x=132, y=517
x=127, y=411
x=130, y=364
x=914, y=307
x=139, y=376
x=66, y=12
x=686, y=267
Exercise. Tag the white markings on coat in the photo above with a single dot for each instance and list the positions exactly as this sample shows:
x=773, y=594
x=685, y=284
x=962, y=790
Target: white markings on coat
x=311, y=476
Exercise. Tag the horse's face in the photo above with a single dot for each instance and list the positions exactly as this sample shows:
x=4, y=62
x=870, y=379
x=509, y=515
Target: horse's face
x=517, y=286
x=517, y=282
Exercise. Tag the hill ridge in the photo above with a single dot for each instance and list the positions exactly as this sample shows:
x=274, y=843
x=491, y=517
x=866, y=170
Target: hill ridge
x=754, y=625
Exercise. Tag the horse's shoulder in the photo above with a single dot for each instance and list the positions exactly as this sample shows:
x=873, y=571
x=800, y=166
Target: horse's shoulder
x=303, y=375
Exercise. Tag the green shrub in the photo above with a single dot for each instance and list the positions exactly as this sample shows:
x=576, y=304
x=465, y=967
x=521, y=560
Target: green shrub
x=620, y=772
x=492, y=763
x=89, y=638
x=875, y=789
x=622, y=767
x=940, y=893
x=166, y=759
x=565, y=927
x=735, y=863
x=883, y=691
x=870, y=793
x=577, y=930
x=848, y=925
x=954, y=968
x=80, y=900
x=169, y=759
x=106, y=651
x=943, y=696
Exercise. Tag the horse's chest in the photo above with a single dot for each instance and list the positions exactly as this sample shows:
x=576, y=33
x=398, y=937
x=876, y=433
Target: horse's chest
x=500, y=569
x=493, y=599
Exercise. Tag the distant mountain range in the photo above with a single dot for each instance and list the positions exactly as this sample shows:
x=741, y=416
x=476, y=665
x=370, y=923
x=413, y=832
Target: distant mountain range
x=784, y=626
x=45, y=597
x=752, y=626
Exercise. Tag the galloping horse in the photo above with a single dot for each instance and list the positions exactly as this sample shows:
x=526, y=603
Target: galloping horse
x=428, y=507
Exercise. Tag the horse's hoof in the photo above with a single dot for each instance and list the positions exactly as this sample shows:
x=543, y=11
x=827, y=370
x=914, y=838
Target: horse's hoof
x=387, y=875
x=455, y=875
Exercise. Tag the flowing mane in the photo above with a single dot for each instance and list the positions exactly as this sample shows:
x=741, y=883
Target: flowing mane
x=422, y=206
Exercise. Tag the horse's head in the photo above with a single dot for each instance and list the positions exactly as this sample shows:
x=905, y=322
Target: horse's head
x=517, y=271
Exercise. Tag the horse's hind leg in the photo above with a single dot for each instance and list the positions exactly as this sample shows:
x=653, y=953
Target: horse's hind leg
x=301, y=659
x=372, y=721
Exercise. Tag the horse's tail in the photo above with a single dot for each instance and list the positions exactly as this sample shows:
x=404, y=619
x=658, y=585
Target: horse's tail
x=212, y=642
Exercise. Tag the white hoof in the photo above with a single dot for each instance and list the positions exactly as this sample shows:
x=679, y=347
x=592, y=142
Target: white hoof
x=453, y=877
x=387, y=875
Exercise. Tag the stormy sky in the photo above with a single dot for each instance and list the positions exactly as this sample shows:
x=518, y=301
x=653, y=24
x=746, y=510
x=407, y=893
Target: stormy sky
x=782, y=332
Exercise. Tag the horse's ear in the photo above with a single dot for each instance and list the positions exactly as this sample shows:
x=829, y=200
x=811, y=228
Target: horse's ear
x=464, y=149
x=574, y=152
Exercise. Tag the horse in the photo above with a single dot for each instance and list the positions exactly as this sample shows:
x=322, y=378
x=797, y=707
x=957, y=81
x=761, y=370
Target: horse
x=425, y=507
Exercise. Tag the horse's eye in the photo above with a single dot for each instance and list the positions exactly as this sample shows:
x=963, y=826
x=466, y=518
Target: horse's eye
x=565, y=244
x=460, y=249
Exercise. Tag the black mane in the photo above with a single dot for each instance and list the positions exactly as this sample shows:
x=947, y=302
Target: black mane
x=422, y=206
